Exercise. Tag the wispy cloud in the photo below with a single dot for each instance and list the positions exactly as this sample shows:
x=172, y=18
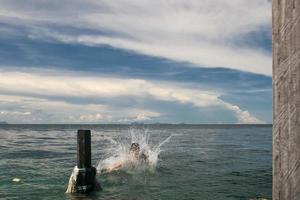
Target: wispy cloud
x=52, y=87
x=23, y=109
x=135, y=60
x=207, y=33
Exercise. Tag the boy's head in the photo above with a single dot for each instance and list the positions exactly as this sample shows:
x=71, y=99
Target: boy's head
x=135, y=149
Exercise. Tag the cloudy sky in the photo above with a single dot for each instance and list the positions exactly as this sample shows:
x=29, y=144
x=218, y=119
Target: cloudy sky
x=120, y=61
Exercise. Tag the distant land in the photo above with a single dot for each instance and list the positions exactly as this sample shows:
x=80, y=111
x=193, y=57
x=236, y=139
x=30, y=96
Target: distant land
x=3, y=122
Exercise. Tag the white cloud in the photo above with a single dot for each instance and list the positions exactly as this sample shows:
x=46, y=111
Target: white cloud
x=147, y=116
x=91, y=118
x=49, y=87
x=246, y=118
x=26, y=109
x=243, y=116
x=200, y=32
x=4, y=113
x=142, y=117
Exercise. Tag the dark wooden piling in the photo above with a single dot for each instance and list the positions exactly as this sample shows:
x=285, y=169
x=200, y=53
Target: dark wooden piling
x=84, y=180
x=84, y=152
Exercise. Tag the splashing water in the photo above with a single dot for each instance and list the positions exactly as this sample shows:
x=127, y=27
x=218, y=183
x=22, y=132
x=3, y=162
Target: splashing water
x=119, y=153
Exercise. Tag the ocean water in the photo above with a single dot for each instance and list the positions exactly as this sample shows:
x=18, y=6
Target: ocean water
x=205, y=162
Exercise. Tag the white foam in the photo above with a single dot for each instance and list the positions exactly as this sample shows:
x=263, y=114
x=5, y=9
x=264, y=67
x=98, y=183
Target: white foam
x=16, y=180
x=72, y=181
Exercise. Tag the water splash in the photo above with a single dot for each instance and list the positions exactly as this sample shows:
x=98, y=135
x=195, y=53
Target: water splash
x=118, y=156
x=72, y=181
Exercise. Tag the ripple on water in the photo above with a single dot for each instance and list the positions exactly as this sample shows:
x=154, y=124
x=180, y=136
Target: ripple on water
x=200, y=162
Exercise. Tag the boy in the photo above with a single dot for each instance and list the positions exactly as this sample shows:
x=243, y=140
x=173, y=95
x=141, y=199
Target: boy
x=135, y=155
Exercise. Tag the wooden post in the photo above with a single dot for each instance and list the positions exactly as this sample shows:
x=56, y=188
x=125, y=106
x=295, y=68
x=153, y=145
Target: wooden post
x=86, y=175
x=84, y=154
x=83, y=179
x=286, y=100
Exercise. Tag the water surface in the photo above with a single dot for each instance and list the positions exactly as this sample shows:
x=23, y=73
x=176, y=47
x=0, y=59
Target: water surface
x=205, y=162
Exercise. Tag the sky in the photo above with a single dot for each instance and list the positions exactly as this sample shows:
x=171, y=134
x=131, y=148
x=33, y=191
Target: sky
x=124, y=61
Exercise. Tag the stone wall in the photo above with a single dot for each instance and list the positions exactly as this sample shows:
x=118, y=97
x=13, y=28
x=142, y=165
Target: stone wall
x=286, y=99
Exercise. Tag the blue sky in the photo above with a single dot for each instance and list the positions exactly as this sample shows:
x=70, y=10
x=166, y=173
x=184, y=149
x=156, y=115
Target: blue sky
x=135, y=60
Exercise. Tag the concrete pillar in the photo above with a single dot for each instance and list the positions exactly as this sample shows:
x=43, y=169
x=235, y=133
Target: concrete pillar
x=286, y=99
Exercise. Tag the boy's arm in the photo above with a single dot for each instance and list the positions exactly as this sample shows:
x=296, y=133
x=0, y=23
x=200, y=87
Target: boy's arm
x=113, y=167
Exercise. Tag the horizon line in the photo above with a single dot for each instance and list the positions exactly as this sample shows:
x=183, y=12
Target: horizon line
x=131, y=124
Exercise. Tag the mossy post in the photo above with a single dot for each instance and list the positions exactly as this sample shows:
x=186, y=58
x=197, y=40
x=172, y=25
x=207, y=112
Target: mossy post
x=83, y=179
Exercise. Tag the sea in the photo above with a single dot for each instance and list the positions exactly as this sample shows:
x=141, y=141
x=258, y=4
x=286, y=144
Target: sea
x=205, y=162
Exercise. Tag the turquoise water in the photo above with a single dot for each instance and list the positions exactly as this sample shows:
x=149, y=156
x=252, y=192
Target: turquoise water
x=205, y=162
